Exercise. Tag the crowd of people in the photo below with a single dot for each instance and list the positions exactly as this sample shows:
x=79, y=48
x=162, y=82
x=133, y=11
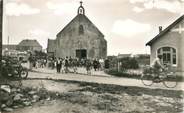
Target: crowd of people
x=69, y=64
x=35, y=62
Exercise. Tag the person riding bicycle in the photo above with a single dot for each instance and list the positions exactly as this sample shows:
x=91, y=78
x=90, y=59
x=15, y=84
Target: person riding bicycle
x=159, y=72
x=157, y=67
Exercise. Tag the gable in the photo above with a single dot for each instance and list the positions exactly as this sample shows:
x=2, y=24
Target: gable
x=179, y=28
x=79, y=19
x=170, y=28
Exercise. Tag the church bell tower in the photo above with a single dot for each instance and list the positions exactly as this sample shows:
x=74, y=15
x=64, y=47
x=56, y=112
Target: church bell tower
x=81, y=9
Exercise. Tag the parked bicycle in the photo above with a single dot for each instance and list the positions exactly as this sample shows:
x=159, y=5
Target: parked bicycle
x=12, y=69
x=167, y=76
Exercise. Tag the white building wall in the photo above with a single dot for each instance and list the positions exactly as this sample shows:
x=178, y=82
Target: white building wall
x=170, y=39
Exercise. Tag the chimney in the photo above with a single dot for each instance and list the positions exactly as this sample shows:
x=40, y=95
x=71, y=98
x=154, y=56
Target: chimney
x=160, y=29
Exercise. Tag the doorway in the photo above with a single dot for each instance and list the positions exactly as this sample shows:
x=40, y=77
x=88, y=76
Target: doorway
x=81, y=53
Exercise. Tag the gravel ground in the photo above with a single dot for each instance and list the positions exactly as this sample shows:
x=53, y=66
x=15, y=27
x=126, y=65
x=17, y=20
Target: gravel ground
x=83, y=97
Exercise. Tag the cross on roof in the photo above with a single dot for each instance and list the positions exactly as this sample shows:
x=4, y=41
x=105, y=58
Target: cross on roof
x=179, y=29
x=81, y=3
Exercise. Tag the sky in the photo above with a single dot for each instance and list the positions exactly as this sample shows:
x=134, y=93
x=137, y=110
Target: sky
x=127, y=24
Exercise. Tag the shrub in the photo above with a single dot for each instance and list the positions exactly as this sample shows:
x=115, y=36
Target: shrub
x=129, y=63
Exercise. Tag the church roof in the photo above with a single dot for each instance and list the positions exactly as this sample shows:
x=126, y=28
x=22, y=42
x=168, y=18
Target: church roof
x=165, y=31
x=80, y=15
x=77, y=18
x=28, y=42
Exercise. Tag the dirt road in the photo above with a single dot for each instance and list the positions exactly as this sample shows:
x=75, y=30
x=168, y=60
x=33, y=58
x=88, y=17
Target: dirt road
x=98, y=77
x=83, y=97
x=79, y=93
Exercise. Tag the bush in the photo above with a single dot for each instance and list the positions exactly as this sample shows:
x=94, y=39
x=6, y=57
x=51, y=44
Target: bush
x=113, y=61
x=129, y=63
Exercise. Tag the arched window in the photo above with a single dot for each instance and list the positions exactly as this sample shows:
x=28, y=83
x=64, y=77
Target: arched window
x=167, y=55
x=81, y=30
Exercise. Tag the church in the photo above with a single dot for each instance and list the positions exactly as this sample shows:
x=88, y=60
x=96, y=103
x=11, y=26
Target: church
x=80, y=38
x=169, y=45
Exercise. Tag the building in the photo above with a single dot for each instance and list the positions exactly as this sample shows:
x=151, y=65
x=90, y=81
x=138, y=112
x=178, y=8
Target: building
x=79, y=38
x=124, y=56
x=29, y=45
x=169, y=44
x=51, y=48
x=22, y=47
x=9, y=47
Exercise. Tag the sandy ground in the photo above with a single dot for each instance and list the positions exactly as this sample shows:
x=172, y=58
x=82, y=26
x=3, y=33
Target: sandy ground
x=50, y=85
x=83, y=97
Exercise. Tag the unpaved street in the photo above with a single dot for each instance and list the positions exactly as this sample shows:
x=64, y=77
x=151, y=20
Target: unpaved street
x=83, y=97
x=97, y=77
x=80, y=93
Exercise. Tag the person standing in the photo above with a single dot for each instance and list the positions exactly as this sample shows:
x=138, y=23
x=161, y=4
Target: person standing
x=58, y=65
x=101, y=61
x=88, y=66
x=57, y=68
x=107, y=63
x=30, y=59
x=63, y=66
x=95, y=64
x=66, y=65
x=74, y=64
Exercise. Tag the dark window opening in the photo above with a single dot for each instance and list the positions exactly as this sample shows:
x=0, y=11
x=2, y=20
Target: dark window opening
x=81, y=30
x=167, y=55
x=174, y=59
x=81, y=53
x=166, y=48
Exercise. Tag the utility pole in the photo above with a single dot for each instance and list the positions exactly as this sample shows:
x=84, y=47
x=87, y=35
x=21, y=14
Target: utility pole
x=1, y=33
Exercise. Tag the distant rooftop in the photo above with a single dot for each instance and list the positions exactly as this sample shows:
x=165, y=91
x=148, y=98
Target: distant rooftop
x=28, y=42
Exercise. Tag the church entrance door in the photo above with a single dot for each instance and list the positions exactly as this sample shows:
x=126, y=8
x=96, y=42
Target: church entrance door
x=81, y=53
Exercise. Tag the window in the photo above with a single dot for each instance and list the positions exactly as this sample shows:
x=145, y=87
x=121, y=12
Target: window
x=167, y=55
x=81, y=30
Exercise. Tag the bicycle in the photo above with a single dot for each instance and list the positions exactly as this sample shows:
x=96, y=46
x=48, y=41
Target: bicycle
x=14, y=70
x=167, y=76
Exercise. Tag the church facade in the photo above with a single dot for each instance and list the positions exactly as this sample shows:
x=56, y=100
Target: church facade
x=80, y=38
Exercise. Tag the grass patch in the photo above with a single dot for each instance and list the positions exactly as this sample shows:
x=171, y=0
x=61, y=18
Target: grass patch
x=126, y=74
x=121, y=73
